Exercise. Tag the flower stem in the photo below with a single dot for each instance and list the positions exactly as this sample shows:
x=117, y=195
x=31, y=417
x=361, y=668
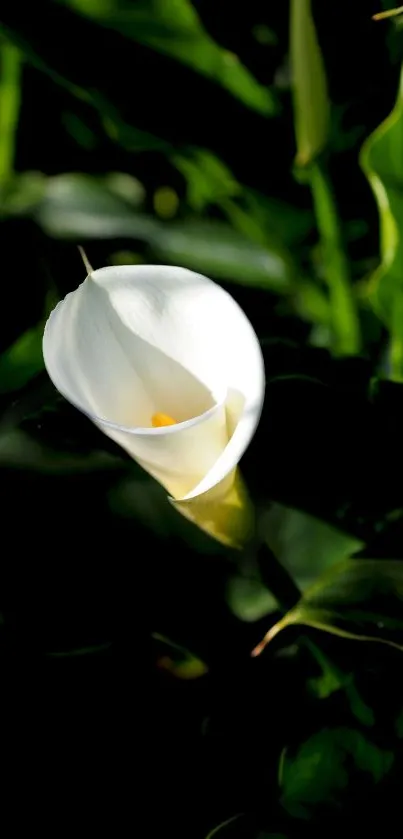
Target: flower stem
x=10, y=96
x=337, y=276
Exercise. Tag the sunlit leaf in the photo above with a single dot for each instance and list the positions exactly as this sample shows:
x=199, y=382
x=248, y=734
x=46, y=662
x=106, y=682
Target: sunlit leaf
x=318, y=773
x=173, y=28
x=215, y=249
x=382, y=161
x=359, y=599
x=311, y=105
x=76, y=205
x=83, y=207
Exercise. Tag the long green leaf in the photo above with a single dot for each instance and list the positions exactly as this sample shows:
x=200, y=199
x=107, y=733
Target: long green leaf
x=127, y=135
x=361, y=599
x=343, y=309
x=10, y=93
x=311, y=104
x=382, y=162
x=311, y=120
x=78, y=206
x=388, y=13
x=215, y=248
x=173, y=28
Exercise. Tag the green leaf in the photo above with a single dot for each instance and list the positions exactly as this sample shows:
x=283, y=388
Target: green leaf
x=215, y=249
x=305, y=546
x=311, y=104
x=249, y=599
x=10, y=94
x=289, y=224
x=173, y=28
x=209, y=181
x=336, y=269
x=22, y=194
x=126, y=135
x=19, y=450
x=388, y=13
x=83, y=207
x=318, y=773
x=359, y=599
x=311, y=118
x=80, y=206
x=333, y=679
x=382, y=162
x=23, y=360
x=260, y=218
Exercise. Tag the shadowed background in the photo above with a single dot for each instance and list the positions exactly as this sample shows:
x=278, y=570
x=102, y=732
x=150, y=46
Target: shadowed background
x=156, y=131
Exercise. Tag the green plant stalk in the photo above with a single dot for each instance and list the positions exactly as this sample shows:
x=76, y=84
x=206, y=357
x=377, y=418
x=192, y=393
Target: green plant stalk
x=344, y=317
x=10, y=96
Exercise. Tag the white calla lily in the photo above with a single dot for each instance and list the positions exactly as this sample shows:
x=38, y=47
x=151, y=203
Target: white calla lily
x=166, y=363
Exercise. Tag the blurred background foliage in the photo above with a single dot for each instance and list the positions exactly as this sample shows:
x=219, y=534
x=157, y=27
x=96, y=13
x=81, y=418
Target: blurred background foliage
x=261, y=144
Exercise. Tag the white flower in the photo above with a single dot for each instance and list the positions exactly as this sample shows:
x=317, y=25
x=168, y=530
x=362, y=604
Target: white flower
x=165, y=363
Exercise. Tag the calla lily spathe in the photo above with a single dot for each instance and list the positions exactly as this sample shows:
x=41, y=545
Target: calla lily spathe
x=136, y=347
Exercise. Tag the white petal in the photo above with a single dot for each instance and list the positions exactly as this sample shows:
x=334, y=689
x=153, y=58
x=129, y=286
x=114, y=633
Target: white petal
x=178, y=456
x=136, y=340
